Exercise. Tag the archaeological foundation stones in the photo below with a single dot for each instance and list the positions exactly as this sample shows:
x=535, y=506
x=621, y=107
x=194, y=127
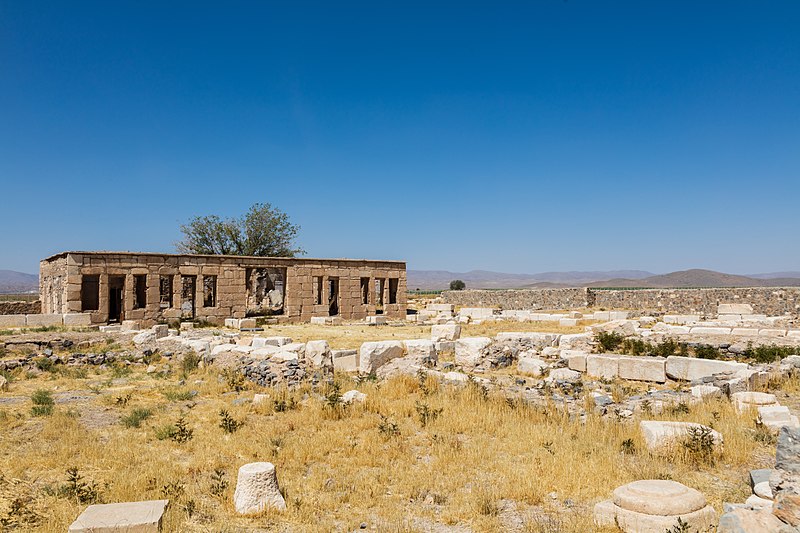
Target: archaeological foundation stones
x=660, y=435
x=257, y=489
x=654, y=505
x=131, y=517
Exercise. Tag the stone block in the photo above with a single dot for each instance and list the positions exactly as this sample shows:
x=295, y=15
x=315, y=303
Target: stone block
x=318, y=353
x=576, y=359
x=743, y=401
x=345, y=360
x=232, y=323
x=39, y=321
x=743, y=520
x=133, y=517
x=777, y=416
x=772, y=332
x=734, y=309
x=445, y=332
x=618, y=315
x=12, y=321
x=440, y=308
x=643, y=368
x=681, y=319
x=658, y=435
x=421, y=349
x=532, y=365
x=376, y=320
x=114, y=328
x=372, y=355
x=704, y=330
x=246, y=323
x=603, y=316
x=131, y=325
x=706, y=391
x=575, y=341
x=445, y=346
x=160, y=331
x=690, y=368
x=563, y=374
x=602, y=366
x=77, y=319
x=257, y=489
x=260, y=342
x=566, y=322
x=470, y=351
x=745, y=332
x=477, y=313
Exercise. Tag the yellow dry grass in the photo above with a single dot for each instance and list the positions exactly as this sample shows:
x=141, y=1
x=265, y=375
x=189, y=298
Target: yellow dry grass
x=336, y=466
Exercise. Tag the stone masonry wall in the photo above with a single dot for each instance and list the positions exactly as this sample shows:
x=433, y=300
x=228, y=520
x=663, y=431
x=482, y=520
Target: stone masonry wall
x=765, y=300
x=20, y=308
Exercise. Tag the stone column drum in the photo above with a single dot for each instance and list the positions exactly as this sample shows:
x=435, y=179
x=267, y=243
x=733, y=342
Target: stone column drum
x=257, y=489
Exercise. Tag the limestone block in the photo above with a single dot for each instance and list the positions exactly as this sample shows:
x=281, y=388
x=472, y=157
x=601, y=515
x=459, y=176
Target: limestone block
x=285, y=356
x=77, y=319
x=260, y=342
x=745, y=332
x=763, y=490
x=777, y=416
x=372, y=355
x=540, y=340
x=259, y=399
x=131, y=325
x=247, y=323
x=643, y=368
x=772, y=333
x=477, y=313
x=703, y=330
x=144, y=337
x=12, y=321
x=758, y=502
x=445, y=347
x=471, y=350
x=455, y=377
x=222, y=348
x=258, y=353
x=354, y=396
x=440, y=308
x=531, y=365
x=445, y=332
x=257, y=489
x=133, y=517
x=114, y=328
x=421, y=349
x=187, y=325
x=376, y=320
x=576, y=359
x=563, y=374
x=232, y=323
x=618, y=315
x=412, y=318
x=345, y=360
x=44, y=320
x=318, y=353
x=160, y=331
x=603, y=316
x=679, y=330
x=658, y=434
x=706, y=391
x=729, y=318
x=602, y=366
x=575, y=341
x=690, y=368
x=743, y=401
x=681, y=319
x=754, y=318
x=734, y=309
x=742, y=520
x=566, y=322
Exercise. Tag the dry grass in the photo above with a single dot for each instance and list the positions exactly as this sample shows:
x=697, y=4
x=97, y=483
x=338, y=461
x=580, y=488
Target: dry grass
x=336, y=466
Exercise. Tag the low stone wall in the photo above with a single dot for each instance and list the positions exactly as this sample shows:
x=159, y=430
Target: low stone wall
x=770, y=301
x=20, y=308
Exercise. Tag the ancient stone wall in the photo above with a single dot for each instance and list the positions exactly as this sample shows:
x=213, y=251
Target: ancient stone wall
x=151, y=288
x=20, y=308
x=765, y=300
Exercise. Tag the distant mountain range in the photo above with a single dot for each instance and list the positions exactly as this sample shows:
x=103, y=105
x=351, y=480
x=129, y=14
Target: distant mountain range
x=482, y=279
x=12, y=282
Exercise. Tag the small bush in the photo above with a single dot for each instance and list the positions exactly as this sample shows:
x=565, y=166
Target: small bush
x=426, y=414
x=190, y=363
x=78, y=489
x=178, y=432
x=704, y=351
x=699, y=444
x=609, y=341
x=43, y=403
x=770, y=353
x=280, y=405
x=628, y=447
x=388, y=428
x=45, y=364
x=136, y=417
x=228, y=423
x=235, y=380
x=679, y=527
x=218, y=482
x=178, y=395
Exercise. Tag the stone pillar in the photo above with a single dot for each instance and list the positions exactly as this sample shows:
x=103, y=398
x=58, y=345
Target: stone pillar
x=257, y=489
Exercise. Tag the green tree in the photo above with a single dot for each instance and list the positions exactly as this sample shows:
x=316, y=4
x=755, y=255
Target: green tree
x=263, y=231
x=457, y=285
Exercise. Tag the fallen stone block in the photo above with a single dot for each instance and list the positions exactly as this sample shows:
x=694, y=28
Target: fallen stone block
x=563, y=374
x=602, y=366
x=138, y=517
x=681, y=319
x=445, y=332
x=374, y=354
x=445, y=346
x=421, y=350
x=662, y=434
x=318, y=353
x=536, y=339
x=703, y=330
x=575, y=341
x=327, y=320
x=114, y=328
x=131, y=325
x=354, y=396
x=160, y=331
x=690, y=368
x=705, y=391
x=603, y=316
x=77, y=319
x=745, y=332
x=531, y=365
x=734, y=309
x=470, y=351
x=743, y=401
x=257, y=489
x=649, y=506
x=477, y=313
x=618, y=315
x=144, y=337
x=576, y=359
x=40, y=321
x=772, y=333
x=743, y=520
x=777, y=416
x=376, y=320
x=440, y=308
x=643, y=368
x=566, y=322
x=345, y=360
x=247, y=323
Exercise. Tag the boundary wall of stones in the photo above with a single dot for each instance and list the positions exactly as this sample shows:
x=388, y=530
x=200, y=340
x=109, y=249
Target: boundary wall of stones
x=771, y=301
x=20, y=308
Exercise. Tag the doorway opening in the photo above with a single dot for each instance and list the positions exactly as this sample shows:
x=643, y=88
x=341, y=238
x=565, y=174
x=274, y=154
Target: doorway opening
x=333, y=296
x=116, y=299
x=188, y=286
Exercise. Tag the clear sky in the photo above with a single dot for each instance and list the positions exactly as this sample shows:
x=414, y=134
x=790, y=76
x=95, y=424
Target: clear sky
x=523, y=137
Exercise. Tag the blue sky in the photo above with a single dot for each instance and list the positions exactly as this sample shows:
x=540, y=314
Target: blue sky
x=533, y=136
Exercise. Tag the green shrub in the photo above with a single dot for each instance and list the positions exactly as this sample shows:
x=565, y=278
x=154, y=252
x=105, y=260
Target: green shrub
x=136, y=417
x=705, y=351
x=770, y=353
x=44, y=364
x=190, y=363
x=609, y=341
x=228, y=423
x=178, y=395
x=43, y=403
x=78, y=489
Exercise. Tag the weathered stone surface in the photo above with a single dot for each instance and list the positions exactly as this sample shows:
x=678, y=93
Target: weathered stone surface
x=159, y=330
x=643, y=368
x=247, y=323
x=658, y=497
x=144, y=337
x=259, y=399
x=44, y=320
x=376, y=320
x=663, y=434
x=131, y=325
x=759, y=475
x=705, y=391
x=12, y=321
x=345, y=360
x=318, y=353
x=534, y=366
x=745, y=400
x=260, y=342
x=762, y=490
x=758, y=502
x=602, y=366
x=257, y=489
x=749, y=521
x=352, y=396
x=786, y=507
x=690, y=368
x=787, y=456
x=445, y=332
x=576, y=359
x=374, y=354
x=129, y=517
x=77, y=319
x=470, y=351
x=563, y=374
x=734, y=309
x=575, y=341
x=777, y=416
x=3, y=384
x=422, y=350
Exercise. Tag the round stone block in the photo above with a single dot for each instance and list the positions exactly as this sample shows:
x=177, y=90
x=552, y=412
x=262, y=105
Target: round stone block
x=658, y=497
x=257, y=489
x=632, y=522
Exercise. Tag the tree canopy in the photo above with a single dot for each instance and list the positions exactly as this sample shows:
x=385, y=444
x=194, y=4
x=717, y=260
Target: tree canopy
x=457, y=285
x=263, y=231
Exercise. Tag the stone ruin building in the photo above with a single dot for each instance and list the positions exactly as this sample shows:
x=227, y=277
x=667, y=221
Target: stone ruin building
x=151, y=288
